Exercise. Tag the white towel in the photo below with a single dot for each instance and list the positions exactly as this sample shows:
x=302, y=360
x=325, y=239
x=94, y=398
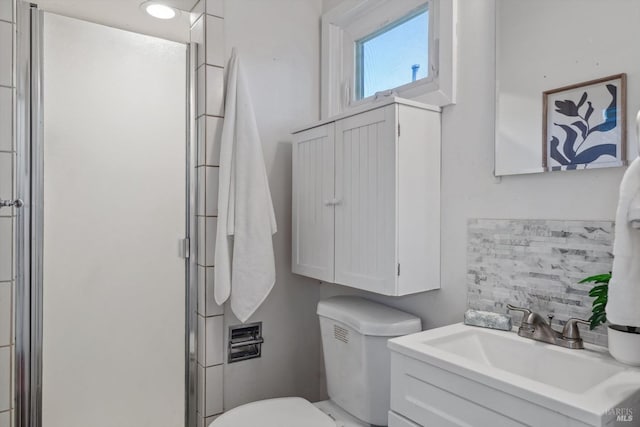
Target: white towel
x=624, y=288
x=244, y=259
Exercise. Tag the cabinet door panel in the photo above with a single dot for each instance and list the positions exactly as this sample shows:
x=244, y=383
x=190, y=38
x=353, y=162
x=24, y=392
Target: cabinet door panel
x=366, y=211
x=313, y=212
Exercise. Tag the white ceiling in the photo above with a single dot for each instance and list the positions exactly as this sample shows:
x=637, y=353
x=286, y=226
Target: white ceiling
x=125, y=14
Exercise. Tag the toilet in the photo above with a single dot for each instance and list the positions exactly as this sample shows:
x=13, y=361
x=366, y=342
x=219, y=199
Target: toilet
x=354, y=333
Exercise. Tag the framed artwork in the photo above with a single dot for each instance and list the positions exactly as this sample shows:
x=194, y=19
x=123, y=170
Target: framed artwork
x=584, y=125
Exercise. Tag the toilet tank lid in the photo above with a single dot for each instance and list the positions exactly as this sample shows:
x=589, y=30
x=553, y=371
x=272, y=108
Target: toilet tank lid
x=368, y=317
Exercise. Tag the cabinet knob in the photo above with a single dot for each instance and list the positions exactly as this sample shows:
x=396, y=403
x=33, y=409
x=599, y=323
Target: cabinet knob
x=332, y=202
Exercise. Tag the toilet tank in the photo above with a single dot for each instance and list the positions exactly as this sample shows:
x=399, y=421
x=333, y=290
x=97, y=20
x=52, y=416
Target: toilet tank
x=357, y=361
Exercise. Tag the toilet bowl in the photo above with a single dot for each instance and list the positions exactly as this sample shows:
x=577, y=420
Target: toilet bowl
x=283, y=412
x=354, y=333
x=287, y=412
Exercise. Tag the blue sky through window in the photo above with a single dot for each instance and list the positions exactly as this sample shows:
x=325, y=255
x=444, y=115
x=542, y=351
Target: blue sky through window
x=386, y=59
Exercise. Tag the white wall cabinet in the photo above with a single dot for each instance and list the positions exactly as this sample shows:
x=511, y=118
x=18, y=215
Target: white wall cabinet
x=366, y=199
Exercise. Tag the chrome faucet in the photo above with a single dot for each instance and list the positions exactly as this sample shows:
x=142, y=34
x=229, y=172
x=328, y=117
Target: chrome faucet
x=535, y=327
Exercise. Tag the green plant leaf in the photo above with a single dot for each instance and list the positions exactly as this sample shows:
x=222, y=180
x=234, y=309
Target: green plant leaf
x=600, y=299
x=600, y=293
x=598, y=308
x=596, y=320
x=598, y=278
x=599, y=290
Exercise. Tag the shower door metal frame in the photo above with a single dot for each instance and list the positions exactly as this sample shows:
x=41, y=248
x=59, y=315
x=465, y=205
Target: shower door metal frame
x=29, y=230
x=29, y=219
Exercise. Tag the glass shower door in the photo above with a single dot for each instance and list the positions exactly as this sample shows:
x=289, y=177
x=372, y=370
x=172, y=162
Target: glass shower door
x=114, y=212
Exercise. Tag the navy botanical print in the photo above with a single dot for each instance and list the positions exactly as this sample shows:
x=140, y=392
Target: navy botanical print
x=568, y=152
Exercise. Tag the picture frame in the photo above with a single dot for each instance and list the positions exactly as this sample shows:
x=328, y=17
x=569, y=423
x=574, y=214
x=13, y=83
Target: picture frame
x=585, y=125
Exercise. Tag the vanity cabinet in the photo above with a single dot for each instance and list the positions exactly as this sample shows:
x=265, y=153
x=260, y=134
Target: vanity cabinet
x=366, y=199
x=425, y=395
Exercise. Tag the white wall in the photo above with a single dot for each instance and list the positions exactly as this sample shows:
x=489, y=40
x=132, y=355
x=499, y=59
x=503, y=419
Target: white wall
x=278, y=42
x=469, y=189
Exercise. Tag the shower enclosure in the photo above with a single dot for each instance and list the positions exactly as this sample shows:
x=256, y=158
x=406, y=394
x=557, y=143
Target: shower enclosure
x=104, y=293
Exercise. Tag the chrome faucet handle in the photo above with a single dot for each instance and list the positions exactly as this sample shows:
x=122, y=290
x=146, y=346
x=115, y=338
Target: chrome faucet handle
x=571, y=331
x=525, y=311
x=527, y=316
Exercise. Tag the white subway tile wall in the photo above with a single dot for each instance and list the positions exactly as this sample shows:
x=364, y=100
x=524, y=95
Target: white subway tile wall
x=196, y=13
x=197, y=36
x=207, y=230
x=214, y=336
x=208, y=193
x=206, y=303
x=211, y=334
x=5, y=379
x=6, y=247
x=209, y=391
x=6, y=10
x=211, y=193
x=214, y=90
x=213, y=399
x=6, y=53
x=214, y=33
x=6, y=118
x=207, y=31
x=5, y=314
x=213, y=135
x=215, y=7
x=7, y=186
x=6, y=173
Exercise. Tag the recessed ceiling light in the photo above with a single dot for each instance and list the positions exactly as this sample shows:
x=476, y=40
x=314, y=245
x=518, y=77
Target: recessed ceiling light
x=159, y=10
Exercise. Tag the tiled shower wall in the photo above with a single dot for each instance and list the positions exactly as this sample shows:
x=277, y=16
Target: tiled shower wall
x=207, y=31
x=537, y=264
x=7, y=217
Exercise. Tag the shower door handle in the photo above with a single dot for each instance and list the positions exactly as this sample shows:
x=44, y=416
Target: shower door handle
x=17, y=203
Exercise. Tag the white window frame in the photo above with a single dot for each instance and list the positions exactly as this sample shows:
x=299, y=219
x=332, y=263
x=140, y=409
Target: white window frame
x=353, y=20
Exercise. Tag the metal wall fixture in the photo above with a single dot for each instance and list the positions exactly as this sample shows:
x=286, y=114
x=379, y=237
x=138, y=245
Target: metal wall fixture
x=11, y=203
x=245, y=342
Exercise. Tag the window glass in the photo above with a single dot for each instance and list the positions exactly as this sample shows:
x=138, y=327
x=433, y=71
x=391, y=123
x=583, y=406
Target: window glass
x=393, y=56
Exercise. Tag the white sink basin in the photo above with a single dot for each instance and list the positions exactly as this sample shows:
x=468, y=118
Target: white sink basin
x=583, y=384
x=567, y=370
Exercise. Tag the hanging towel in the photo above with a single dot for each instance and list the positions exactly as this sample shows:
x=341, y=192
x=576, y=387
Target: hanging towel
x=244, y=259
x=623, y=306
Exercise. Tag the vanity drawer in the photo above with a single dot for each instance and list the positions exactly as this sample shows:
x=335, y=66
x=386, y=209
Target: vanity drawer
x=434, y=406
x=430, y=396
x=396, y=420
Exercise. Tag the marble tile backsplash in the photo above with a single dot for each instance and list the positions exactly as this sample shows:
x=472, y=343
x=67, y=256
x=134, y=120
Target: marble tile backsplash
x=538, y=264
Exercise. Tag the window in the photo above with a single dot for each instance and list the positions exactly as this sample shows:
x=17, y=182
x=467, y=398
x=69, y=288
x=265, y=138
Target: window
x=394, y=56
x=376, y=48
